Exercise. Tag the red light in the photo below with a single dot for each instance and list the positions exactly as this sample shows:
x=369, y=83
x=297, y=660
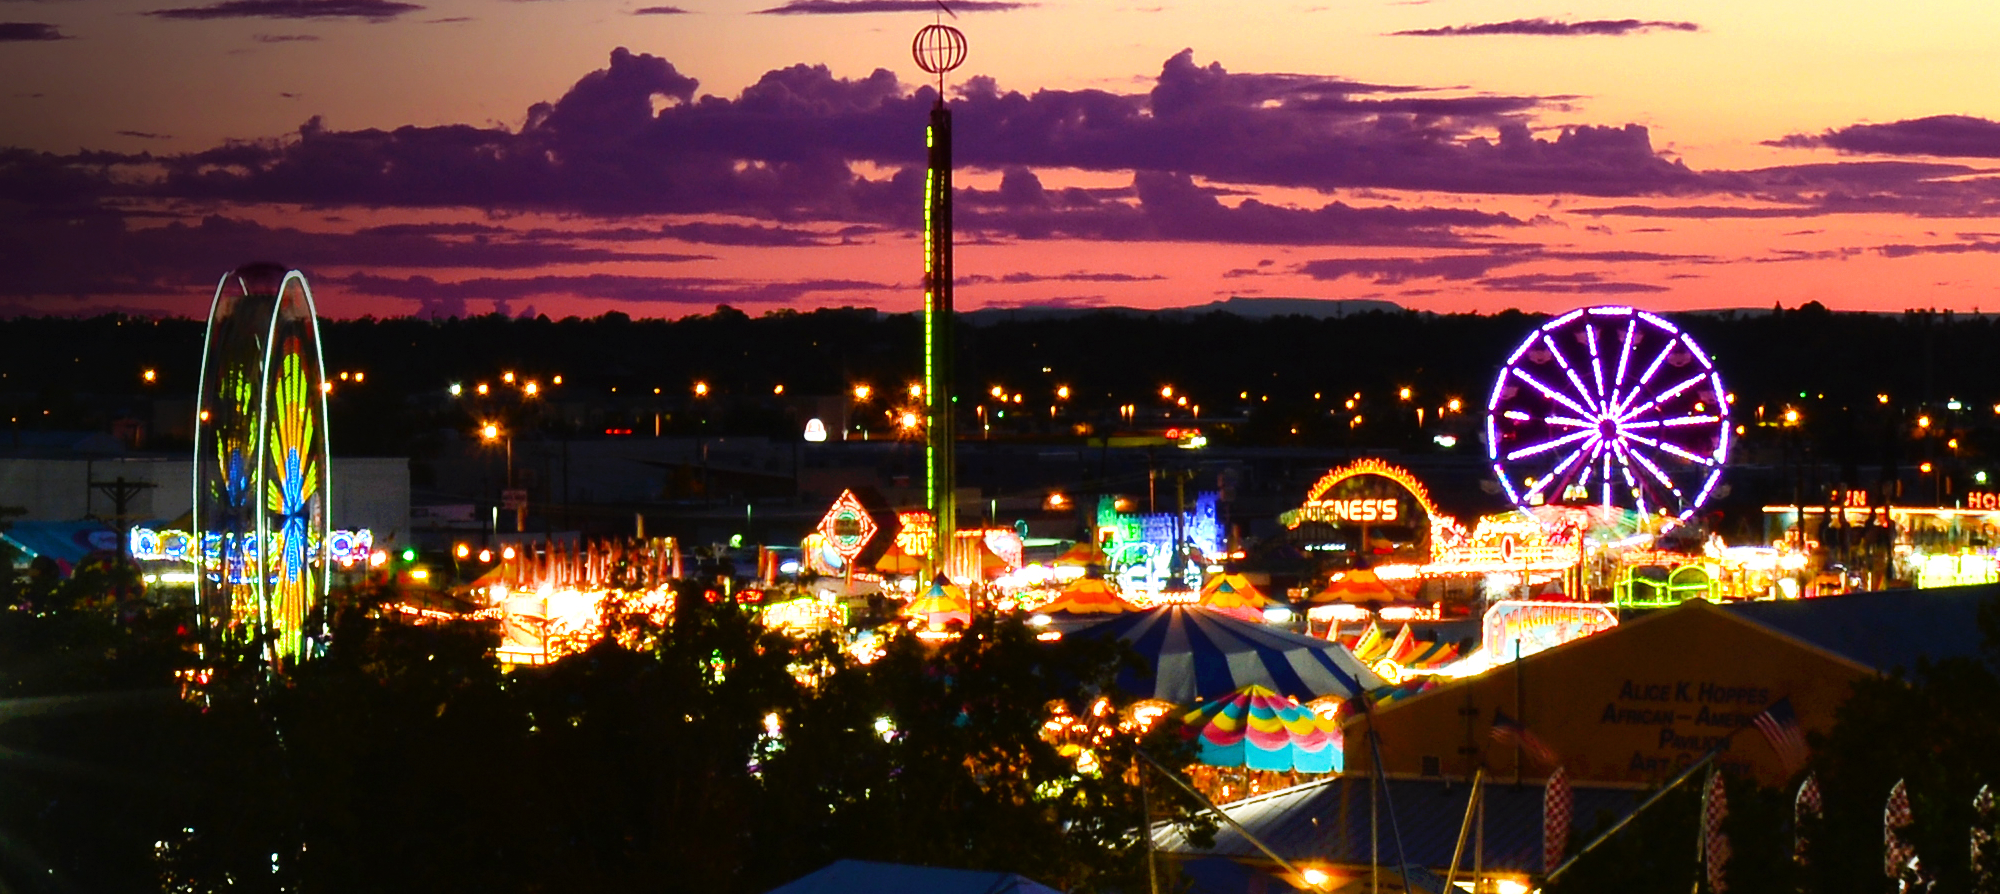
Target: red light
x=617, y=431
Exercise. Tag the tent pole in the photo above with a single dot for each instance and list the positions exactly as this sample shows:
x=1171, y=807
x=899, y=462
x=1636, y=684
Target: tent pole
x=1226, y=818
x=1146, y=829
x=1395, y=829
x=1464, y=827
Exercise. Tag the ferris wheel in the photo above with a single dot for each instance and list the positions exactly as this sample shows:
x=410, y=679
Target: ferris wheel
x=1609, y=406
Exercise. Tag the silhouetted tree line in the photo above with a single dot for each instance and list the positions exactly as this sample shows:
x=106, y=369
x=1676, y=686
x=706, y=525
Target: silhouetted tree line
x=405, y=759
x=80, y=370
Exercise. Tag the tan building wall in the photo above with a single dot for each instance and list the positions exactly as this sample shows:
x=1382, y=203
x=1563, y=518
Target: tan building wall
x=1634, y=704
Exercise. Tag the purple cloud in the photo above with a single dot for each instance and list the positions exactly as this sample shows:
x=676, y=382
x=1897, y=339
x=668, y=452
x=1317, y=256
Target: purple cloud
x=1552, y=28
x=100, y=253
x=285, y=38
x=1566, y=283
x=371, y=10
x=1956, y=136
x=659, y=11
x=26, y=31
x=847, y=7
x=981, y=279
x=700, y=291
x=1391, y=271
x=143, y=135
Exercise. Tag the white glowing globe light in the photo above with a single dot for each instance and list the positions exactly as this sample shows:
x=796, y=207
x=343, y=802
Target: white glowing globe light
x=815, y=430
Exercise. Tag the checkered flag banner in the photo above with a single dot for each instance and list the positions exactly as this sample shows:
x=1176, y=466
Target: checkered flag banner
x=1805, y=810
x=1558, y=802
x=1714, y=843
x=1896, y=853
x=1983, y=851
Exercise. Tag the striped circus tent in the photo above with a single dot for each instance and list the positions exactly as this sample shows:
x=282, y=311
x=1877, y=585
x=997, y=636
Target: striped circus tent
x=1190, y=654
x=1087, y=596
x=1262, y=730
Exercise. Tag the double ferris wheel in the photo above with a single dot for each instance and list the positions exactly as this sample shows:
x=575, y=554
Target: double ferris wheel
x=1610, y=407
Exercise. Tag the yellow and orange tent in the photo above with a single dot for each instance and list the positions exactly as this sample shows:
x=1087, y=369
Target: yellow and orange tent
x=1357, y=585
x=1087, y=596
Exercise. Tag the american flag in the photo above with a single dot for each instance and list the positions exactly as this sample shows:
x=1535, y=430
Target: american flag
x=1780, y=727
x=1557, y=805
x=1896, y=853
x=1508, y=731
x=1714, y=842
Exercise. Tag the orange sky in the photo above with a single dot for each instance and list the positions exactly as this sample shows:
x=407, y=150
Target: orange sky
x=1711, y=81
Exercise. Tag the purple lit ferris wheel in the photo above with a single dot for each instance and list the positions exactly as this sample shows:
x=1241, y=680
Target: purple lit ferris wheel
x=1609, y=406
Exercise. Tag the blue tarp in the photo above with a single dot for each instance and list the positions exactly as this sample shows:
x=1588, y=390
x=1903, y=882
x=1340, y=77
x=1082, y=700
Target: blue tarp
x=865, y=877
x=65, y=542
x=1888, y=630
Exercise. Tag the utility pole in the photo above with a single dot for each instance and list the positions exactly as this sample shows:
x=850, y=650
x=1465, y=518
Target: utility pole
x=122, y=493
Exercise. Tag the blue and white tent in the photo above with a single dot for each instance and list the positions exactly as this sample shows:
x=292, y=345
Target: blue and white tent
x=1195, y=655
x=865, y=877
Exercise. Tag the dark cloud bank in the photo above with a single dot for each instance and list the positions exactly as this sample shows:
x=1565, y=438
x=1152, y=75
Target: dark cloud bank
x=779, y=159
x=29, y=31
x=1552, y=28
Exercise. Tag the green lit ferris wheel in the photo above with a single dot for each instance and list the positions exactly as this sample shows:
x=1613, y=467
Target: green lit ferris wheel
x=261, y=466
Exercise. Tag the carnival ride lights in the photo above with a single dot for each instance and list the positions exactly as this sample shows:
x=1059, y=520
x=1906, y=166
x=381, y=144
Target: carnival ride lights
x=1610, y=405
x=261, y=464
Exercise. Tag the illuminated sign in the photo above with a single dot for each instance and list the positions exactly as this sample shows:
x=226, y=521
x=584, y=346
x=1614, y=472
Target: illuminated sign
x=847, y=527
x=1371, y=492
x=1360, y=509
x=1514, y=629
x=1982, y=499
x=1356, y=493
x=1511, y=542
x=918, y=532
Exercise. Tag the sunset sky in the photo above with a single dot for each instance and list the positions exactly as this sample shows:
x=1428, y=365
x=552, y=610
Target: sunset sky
x=577, y=156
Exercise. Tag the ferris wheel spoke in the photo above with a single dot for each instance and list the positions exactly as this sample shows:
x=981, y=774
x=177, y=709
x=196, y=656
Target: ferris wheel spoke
x=1625, y=353
x=1664, y=396
x=1596, y=364
x=1570, y=372
x=1658, y=474
x=1632, y=482
x=1676, y=422
x=1605, y=483
x=1546, y=446
x=1652, y=369
x=1568, y=421
x=1550, y=393
x=1666, y=447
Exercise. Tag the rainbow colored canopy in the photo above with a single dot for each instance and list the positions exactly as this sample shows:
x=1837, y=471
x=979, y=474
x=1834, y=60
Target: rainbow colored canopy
x=942, y=604
x=1260, y=729
x=1087, y=596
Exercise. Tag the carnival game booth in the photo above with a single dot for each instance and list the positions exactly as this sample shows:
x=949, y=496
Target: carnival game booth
x=1853, y=545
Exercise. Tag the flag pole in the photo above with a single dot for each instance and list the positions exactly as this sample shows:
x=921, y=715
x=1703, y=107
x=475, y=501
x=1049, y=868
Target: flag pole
x=1226, y=818
x=1677, y=780
x=1464, y=826
x=1627, y=818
